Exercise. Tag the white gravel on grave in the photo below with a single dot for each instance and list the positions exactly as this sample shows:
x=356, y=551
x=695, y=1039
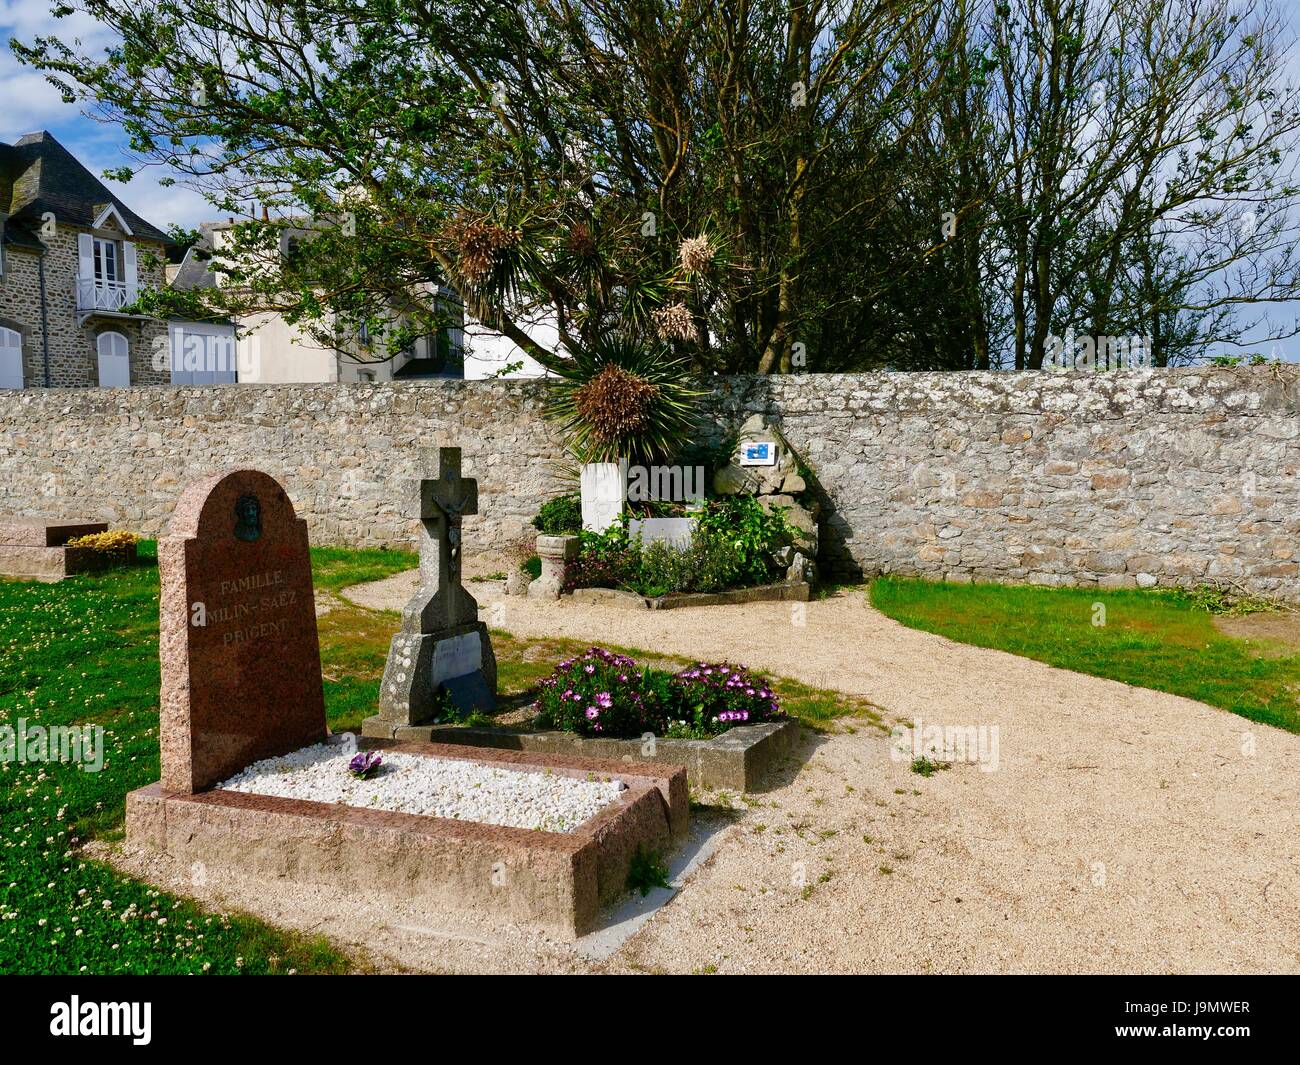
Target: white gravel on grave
x=435, y=787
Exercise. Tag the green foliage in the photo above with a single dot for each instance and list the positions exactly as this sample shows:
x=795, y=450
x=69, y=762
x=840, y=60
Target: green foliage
x=1224, y=601
x=751, y=533
x=560, y=515
x=641, y=414
x=564, y=159
x=732, y=547
x=646, y=870
x=927, y=767
x=85, y=651
x=663, y=569
x=532, y=566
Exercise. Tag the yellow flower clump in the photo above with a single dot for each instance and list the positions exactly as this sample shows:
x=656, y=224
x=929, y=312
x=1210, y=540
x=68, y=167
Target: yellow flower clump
x=114, y=540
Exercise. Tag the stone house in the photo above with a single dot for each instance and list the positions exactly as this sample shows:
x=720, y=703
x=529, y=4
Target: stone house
x=73, y=259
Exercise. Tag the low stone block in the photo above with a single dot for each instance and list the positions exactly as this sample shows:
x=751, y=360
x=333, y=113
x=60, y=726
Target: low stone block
x=55, y=563
x=421, y=663
x=39, y=563
x=738, y=760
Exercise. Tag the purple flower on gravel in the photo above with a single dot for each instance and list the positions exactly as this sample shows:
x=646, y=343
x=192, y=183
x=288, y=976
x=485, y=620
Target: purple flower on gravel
x=363, y=765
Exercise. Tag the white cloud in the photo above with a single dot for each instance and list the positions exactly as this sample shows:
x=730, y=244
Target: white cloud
x=30, y=102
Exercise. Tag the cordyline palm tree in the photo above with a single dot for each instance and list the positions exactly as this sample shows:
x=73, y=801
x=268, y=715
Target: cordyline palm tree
x=624, y=398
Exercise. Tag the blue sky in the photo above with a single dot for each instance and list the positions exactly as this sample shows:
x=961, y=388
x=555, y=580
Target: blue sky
x=29, y=103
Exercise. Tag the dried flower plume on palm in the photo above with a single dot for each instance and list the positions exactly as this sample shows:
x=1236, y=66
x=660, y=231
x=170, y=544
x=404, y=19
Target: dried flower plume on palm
x=494, y=260
x=624, y=399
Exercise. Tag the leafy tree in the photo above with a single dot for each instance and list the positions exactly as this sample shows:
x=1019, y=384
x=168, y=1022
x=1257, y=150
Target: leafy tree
x=756, y=185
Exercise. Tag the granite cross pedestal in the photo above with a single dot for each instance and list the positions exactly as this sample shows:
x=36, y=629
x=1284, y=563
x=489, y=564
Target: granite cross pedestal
x=441, y=646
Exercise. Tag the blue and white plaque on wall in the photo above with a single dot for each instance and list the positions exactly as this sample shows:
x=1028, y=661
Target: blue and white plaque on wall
x=758, y=453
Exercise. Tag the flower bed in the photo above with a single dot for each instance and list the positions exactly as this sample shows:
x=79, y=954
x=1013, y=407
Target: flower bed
x=601, y=693
x=116, y=548
x=734, y=545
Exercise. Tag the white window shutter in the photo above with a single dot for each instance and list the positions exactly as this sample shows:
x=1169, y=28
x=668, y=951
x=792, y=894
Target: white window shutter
x=128, y=264
x=85, y=256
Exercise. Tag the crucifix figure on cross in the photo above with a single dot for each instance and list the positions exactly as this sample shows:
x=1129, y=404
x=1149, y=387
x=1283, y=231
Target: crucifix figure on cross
x=443, y=502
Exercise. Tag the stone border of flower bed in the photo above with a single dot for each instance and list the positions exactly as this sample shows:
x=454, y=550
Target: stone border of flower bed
x=735, y=760
x=37, y=549
x=786, y=591
x=555, y=881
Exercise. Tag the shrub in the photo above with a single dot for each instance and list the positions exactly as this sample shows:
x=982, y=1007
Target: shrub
x=117, y=541
x=663, y=568
x=624, y=399
x=733, y=546
x=115, y=548
x=605, y=560
x=532, y=565
x=599, y=693
x=560, y=515
x=751, y=533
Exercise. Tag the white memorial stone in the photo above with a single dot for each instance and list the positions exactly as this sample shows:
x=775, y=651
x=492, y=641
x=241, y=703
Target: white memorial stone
x=676, y=532
x=603, y=495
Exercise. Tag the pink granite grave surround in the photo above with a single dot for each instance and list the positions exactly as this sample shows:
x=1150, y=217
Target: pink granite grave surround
x=45, y=532
x=36, y=548
x=241, y=675
x=553, y=881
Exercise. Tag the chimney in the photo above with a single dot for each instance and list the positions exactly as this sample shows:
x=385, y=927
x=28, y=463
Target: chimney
x=266, y=215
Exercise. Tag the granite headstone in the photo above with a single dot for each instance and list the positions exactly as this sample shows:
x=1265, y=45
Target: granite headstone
x=241, y=676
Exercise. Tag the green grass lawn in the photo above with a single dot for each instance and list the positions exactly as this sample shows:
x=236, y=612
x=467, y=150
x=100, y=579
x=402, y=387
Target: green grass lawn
x=85, y=651
x=1152, y=639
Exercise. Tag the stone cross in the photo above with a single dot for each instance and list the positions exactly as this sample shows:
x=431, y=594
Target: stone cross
x=443, y=502
x=442, y=601
x=442, y=645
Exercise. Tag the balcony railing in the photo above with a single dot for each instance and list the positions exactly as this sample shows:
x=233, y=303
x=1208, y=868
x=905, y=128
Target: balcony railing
x=93, y=295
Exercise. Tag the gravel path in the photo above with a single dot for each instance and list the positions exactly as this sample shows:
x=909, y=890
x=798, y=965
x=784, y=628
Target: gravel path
x=436, y=787
x=1124, y=830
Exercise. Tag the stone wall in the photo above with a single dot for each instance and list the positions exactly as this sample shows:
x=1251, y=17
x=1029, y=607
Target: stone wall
x=1129, y=478
x=1132, y=478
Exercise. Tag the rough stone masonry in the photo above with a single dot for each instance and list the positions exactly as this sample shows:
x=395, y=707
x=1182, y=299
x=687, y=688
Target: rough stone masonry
x=1128, y=478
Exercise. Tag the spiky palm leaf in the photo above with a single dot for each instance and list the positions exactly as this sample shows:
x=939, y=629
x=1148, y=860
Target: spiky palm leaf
x=624, y=399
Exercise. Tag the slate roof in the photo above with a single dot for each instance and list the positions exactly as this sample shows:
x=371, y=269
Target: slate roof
x=38, y=174
x=196, y=262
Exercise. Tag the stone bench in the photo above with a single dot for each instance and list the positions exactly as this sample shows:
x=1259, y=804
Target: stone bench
x=36, y=548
